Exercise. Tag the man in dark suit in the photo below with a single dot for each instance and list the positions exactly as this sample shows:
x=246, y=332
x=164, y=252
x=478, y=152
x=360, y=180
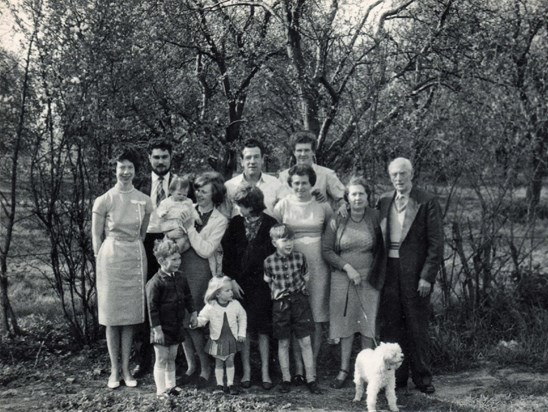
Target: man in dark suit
x=412, y=229
x=156, y=185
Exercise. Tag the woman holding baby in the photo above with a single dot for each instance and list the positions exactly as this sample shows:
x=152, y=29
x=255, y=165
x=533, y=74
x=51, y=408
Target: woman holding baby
x=201, y=260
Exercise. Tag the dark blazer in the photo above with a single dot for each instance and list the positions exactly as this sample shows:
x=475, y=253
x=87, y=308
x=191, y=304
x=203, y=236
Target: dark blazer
x=244, y=261
x=421, y=248
x=145, y=184
x=167, y=299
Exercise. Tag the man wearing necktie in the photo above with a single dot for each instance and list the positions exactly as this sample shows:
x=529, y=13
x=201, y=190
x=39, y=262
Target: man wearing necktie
x=412, y=229
x=157, y=186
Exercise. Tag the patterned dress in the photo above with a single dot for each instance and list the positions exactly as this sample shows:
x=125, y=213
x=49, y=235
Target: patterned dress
x=353, y=308
x=121, y=261
x=307, y=220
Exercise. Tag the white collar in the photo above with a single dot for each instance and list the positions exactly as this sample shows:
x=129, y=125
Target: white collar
x=155, y=177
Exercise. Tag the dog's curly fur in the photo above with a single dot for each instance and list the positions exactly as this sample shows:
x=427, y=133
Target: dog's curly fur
x=377, y=368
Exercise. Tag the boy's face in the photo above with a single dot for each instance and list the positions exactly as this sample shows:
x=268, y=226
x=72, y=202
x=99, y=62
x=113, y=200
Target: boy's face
x=284, y=246
x=179, y=194
x=171, y=263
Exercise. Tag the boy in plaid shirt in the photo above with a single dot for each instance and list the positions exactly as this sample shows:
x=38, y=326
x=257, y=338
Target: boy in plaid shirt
x=286, y=273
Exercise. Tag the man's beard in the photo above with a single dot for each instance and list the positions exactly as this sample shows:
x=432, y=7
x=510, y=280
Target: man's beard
x=161, y=172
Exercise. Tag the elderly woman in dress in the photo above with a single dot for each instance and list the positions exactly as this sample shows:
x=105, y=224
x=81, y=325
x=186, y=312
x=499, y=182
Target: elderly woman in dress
x=202, y=261
x=246, y=245
x=308, y=218
x=353, y=247
x=119, y=223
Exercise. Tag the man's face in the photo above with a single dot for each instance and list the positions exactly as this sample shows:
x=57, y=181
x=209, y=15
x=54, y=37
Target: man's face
x=160, y=161
x=401, y=176
x=304, y=154
x=252, y=161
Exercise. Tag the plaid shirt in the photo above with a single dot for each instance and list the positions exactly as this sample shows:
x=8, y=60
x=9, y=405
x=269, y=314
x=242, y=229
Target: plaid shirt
x=285, y=274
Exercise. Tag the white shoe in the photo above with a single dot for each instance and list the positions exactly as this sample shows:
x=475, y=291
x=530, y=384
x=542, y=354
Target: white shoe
x=130, y=382
x=112, y=384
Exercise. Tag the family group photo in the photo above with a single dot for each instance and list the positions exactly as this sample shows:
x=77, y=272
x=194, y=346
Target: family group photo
x=274, y=205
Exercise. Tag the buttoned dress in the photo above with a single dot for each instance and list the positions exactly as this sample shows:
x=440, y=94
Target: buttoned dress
x=121, y=261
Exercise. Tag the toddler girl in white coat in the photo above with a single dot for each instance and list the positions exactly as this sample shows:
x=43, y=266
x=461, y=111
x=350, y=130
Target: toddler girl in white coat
x=227, y=329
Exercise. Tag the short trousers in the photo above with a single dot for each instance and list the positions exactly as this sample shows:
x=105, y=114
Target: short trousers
x=292, y=314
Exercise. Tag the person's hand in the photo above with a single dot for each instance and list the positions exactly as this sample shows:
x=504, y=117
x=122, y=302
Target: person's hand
x=240, y=338
x=193, y=320
x=175, y=233
x=353, y=274
x=158, y=335
x=319, y=196
x=424, y=288
x=237, y=290
x=342, y=211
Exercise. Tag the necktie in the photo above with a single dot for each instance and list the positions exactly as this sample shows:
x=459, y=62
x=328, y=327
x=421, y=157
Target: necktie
x=160, y=192
x=401, y=203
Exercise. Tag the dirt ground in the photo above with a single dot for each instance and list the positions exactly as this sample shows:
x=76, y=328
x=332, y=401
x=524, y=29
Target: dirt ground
x=67, y=382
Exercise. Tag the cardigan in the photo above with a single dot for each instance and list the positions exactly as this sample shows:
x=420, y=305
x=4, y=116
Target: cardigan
x=207, y=243
x=212, y=313
x=331, y=247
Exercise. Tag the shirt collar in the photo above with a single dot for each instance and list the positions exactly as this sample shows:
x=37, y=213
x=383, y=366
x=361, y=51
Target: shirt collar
x=244, y=178
x=155, y=177
x=165, y=274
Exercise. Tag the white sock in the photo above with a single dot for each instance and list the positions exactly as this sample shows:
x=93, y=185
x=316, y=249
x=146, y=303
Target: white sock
x=219, y=375
x=230, y=375
x=170, y=377
x=160, y=379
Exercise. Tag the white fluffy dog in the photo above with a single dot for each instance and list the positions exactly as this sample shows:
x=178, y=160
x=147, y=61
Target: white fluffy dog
x=377, y=368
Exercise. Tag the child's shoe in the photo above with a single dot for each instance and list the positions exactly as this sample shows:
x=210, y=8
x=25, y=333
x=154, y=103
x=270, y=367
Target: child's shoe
x=285, y=387
x=298, y=380
x=219, y=389
x=314, y=388
x=233, y=390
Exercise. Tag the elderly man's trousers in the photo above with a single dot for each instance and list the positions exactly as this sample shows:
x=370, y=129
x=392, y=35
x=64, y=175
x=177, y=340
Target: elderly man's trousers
x=404, y=319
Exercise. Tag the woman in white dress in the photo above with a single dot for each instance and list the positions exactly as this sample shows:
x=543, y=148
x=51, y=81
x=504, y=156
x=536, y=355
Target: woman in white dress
x=119, y=222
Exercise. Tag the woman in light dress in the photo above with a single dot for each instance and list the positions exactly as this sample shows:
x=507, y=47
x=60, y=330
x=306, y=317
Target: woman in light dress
x=119, y=223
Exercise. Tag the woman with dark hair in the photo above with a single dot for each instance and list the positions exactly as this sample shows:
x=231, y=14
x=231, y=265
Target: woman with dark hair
x=119, y=223
x=353, y=247
x=202, y=260
x=246, y=245
x=307, y=218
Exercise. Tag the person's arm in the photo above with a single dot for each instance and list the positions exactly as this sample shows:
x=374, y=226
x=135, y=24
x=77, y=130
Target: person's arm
x=144, y=226
x=205, y=244
x=153, y=304
x=242, y=323
x=98, y=218
x=434, y=240
x=328, y=246
x=97, y=231
x=203, y=316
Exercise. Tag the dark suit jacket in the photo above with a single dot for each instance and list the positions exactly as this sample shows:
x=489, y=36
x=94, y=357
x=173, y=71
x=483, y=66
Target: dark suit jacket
x=145, y=184
x=421, y=248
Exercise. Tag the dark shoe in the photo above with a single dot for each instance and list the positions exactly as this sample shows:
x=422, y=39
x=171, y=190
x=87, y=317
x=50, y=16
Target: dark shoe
x=245, y=384
x=428, y=389
x=186, y=379
x=202, y=383
x=267, y=386
x=339, y=383
x=314, y=388
x=140, y=371
x=285, y=387
x=220, y=388
x=233, y=390
x=175, y=391
x=298, y=380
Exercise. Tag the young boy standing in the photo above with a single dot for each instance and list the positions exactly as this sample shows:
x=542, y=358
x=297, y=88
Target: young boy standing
x=286, y=273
